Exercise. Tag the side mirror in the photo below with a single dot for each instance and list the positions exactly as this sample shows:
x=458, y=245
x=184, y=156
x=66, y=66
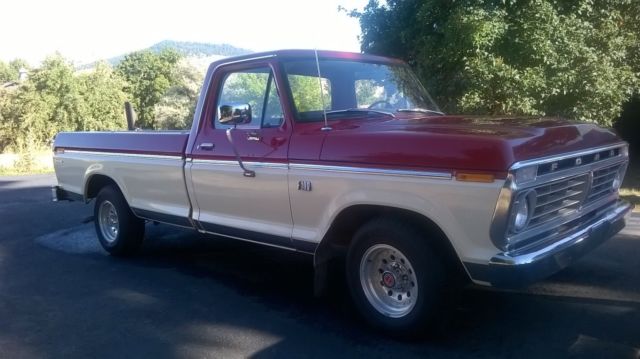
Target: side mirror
x=235, y=114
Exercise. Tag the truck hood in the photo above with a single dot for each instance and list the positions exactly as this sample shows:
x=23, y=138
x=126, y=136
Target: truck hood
x=458, y=142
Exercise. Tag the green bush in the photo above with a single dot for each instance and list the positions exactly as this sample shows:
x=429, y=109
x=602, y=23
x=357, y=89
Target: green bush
x=573, y=58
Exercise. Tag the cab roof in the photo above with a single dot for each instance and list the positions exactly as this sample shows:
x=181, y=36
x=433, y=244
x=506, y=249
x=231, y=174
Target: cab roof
x=307, y=53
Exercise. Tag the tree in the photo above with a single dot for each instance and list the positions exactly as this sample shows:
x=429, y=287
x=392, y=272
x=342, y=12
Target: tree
x=575, y=58
x=54, y=98
x=308, y=94
x=11, y=71
x=6, y=74
x=103, y=99
x=148, y=76
x=50, y=101
x=176, y=108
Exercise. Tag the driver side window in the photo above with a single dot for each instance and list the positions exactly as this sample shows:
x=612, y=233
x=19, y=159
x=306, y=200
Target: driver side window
x=255, y=87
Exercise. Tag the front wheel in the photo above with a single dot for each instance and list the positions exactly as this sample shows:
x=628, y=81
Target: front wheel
x=395, y=278
x=120, y=232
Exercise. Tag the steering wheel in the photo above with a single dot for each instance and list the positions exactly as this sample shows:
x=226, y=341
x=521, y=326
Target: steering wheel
x=379, y=102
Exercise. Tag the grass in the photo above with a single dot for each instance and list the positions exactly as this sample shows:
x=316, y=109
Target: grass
x=5, y=171
x=34, y=161
x=630, y=190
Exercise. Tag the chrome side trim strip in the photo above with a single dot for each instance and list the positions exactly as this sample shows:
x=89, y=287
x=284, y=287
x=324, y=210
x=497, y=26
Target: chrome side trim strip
x=341, y=169
x=373, y=171
x=235, y=163
x=121, y=154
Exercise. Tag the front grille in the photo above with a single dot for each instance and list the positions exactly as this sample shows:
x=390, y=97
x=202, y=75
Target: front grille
x=558, y=198
x=562, y=197
x=602, y=182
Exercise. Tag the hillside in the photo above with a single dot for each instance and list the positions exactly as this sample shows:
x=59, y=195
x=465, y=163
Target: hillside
x=191, y=50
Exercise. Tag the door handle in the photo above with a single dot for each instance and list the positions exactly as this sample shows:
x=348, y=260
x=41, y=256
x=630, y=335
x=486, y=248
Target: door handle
x=206, y=146
x=254, y=136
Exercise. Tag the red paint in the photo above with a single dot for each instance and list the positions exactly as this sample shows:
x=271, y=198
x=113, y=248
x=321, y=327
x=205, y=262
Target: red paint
x=140, y=142
x=453, y=142
x=410, y=141
x=273, y=143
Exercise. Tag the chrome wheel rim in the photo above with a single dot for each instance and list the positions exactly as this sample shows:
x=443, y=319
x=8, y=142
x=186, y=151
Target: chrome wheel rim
x=388, y=280
x=108, y=221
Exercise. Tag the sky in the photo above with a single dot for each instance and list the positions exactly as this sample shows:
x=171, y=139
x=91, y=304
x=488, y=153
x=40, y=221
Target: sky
x=85, y=31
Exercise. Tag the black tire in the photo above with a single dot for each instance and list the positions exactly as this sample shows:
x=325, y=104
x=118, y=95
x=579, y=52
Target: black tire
x=127, y=238
x=416, y=261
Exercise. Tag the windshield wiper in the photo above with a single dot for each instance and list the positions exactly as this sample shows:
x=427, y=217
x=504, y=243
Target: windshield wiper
x=421, y=110
x=360, y=110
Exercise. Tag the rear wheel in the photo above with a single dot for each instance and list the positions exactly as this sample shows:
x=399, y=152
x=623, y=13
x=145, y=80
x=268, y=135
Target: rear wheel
x=395, y=278
x=120, y=232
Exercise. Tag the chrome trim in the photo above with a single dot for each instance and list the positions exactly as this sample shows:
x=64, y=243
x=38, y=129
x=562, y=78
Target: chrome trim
x=249, y=240
x=500, y=220
x=54, y=194
x=583, y=169
x=519, y=268
x=122, y=154
x=501, y=214
x=373, y=171
x=515, y=259
x=245, y=60
x=564, y=156
x=559, y=221
x=341, y=169
x=194, y=212
x=60, y=194
x=274, y=165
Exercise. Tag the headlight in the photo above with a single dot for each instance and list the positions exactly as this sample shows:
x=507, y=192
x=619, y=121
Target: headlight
x=522, y=209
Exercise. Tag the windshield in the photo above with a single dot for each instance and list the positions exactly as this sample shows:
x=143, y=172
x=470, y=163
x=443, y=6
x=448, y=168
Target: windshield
x=354, y=88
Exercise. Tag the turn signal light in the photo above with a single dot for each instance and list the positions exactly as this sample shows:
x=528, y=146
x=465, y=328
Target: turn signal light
x=475, y=177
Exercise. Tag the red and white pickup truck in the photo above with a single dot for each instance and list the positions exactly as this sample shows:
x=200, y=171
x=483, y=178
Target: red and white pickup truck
x=344, y=156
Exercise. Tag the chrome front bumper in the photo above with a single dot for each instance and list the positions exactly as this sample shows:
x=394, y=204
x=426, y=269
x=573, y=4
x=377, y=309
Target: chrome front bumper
x=523, y=267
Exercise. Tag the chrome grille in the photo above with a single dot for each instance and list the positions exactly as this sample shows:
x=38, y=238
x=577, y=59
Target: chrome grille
x=602, y=182
x=558, y=198
x=562, y=190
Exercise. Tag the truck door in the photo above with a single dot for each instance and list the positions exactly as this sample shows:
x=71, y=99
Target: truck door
x=225, y=200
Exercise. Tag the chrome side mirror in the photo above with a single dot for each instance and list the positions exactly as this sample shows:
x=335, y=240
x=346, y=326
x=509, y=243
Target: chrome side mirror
x=235, y=114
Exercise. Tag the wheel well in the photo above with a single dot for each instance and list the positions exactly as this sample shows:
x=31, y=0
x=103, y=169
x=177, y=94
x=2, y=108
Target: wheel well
x=333, y=248
x=96, y=183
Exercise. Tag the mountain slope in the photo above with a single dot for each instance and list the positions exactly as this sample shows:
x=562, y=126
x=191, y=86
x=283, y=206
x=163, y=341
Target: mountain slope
x=186, y=48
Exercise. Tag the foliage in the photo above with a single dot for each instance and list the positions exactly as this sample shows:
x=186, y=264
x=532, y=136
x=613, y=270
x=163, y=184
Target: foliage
x=176, y=108
x=307, y=93
x=186, y=48
x=577, y=58
x=103, y=95
x=11, y=71
x=54, y=98
x=148, y=76
x=53, y=89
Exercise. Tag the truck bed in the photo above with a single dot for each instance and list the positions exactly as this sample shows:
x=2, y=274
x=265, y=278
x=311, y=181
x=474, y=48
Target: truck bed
x=148, y=167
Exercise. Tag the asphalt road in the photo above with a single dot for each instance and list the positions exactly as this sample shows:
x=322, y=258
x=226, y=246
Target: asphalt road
x=186, y=295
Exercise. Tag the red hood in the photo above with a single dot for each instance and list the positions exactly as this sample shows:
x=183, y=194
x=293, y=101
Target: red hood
x=457, y=142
